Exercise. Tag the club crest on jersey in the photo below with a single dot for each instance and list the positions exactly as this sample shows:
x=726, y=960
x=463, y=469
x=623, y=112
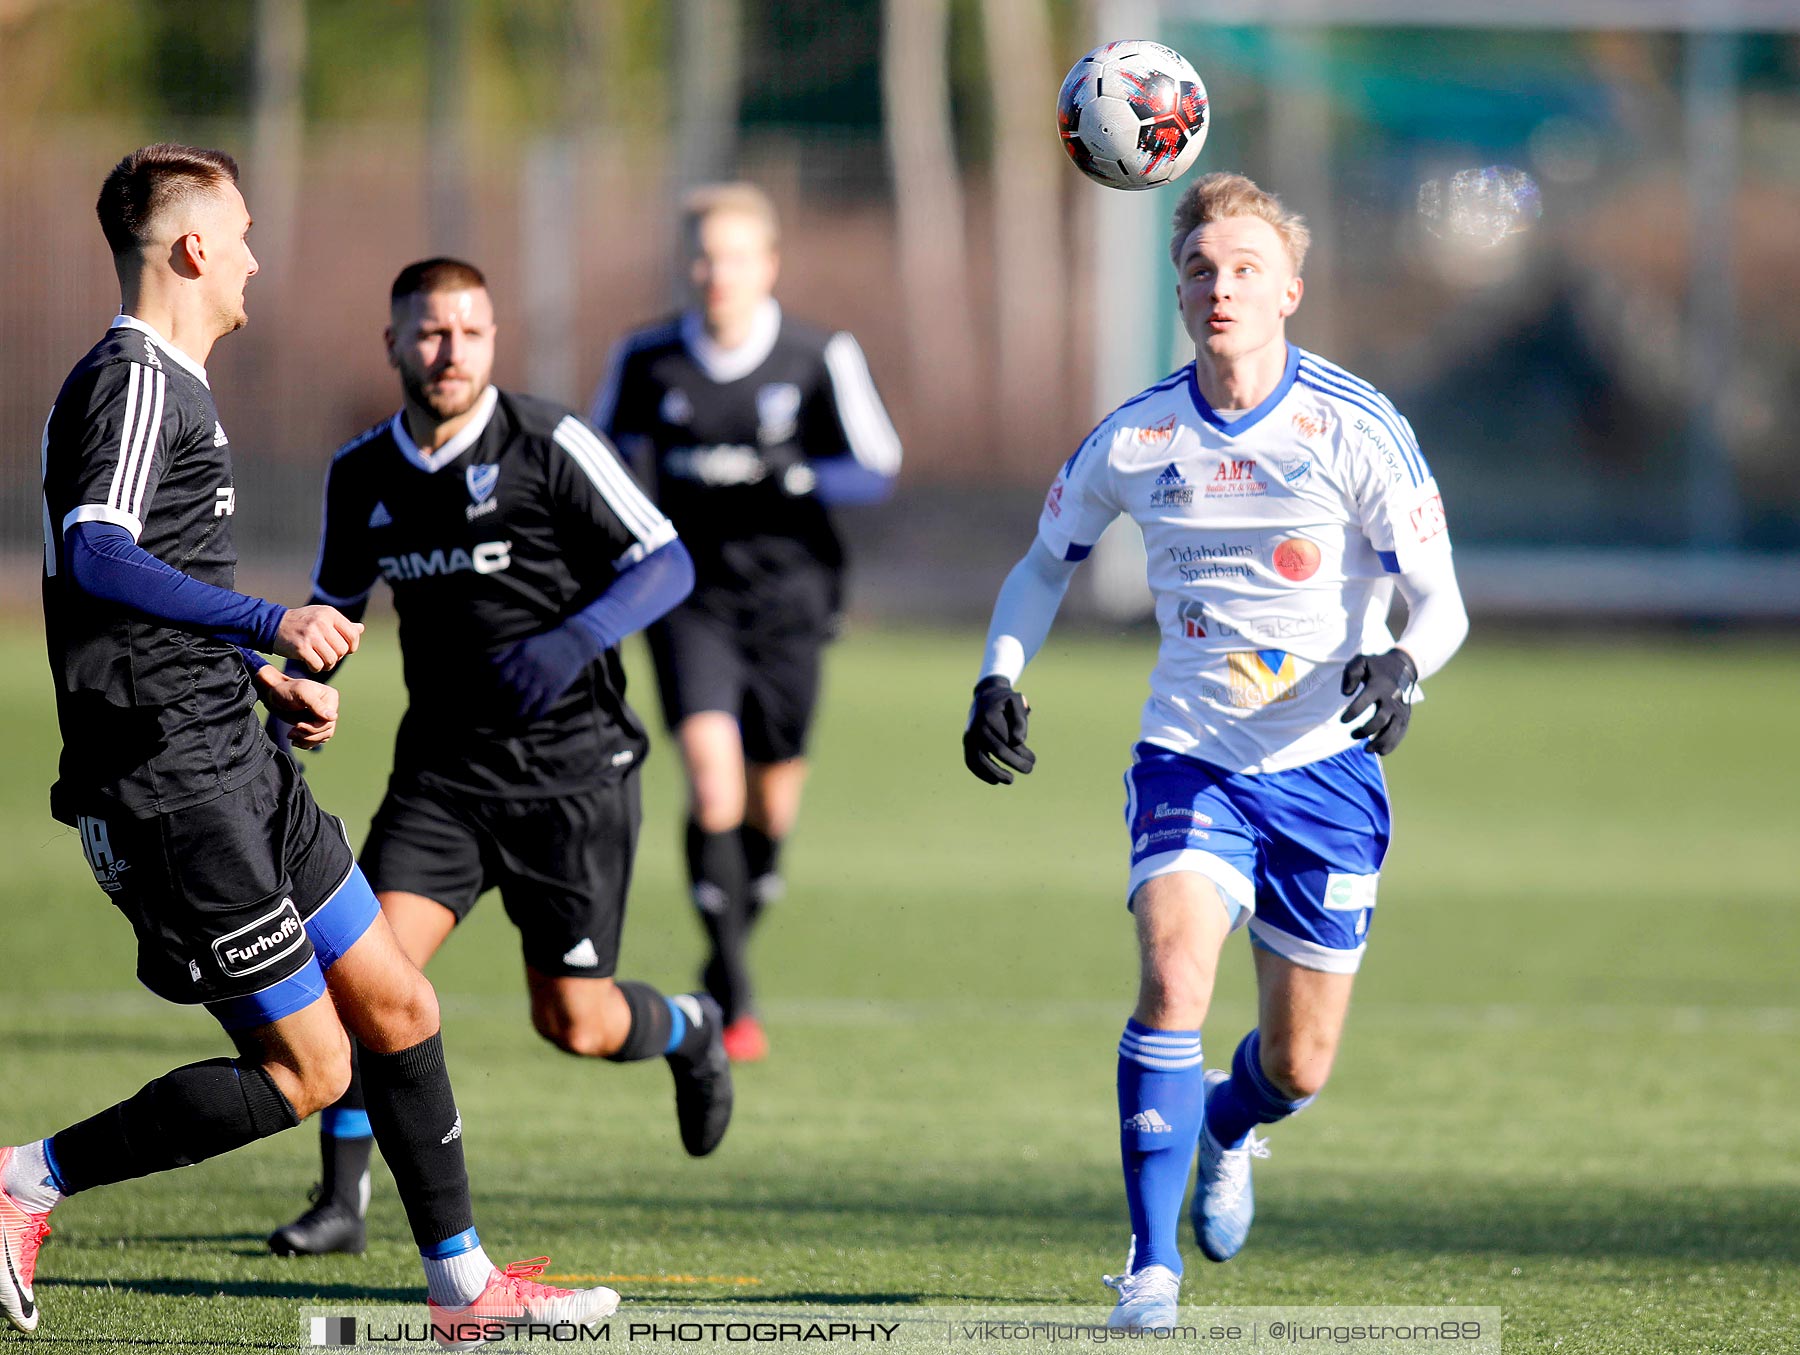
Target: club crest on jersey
x=1171, y=489
x=777, y=412
x=481, y=481
x=1293, y=469
x=676, y=407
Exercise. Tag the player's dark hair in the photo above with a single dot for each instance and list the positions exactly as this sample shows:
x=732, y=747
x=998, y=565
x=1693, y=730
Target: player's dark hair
x=149, y=181
x=436, y=275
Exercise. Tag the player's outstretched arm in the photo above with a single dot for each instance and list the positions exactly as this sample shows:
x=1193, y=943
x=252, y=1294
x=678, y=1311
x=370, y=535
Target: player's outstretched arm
x=1381, y=685
x=994, y=738
x=107, y=562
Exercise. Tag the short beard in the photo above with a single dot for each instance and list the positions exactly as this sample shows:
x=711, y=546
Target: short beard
x=442, y=410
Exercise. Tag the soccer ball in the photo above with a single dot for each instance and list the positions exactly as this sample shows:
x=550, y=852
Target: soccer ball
x=1132, y=114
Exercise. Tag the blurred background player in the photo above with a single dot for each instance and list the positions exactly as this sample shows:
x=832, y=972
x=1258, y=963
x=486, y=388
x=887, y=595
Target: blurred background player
x=243, y=894
x=1282, y=500
x=749, y=426
x=520, y=552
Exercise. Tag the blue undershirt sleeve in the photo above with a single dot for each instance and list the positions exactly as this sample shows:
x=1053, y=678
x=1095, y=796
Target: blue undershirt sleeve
x=641, y=594
x=843, y=480
x=106, y=563
x=538, y=669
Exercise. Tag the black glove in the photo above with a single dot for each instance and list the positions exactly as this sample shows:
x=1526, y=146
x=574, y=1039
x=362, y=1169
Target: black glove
x=1387, y=682
x=996, y=733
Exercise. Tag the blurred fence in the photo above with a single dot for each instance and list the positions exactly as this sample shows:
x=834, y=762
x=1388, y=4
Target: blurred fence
x=1600, y=354
x=576, y=238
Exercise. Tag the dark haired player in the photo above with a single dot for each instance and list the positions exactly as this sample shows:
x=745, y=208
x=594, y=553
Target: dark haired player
x=520, y=552
x=750, y=426
x=243, y=894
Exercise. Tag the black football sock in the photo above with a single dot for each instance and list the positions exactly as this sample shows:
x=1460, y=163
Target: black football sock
x=721, y=896
x=183, y=1117
x=651, y=1023
x=413, y=1113
x=346, y=1142
x=689, y=1031
x=762, y=866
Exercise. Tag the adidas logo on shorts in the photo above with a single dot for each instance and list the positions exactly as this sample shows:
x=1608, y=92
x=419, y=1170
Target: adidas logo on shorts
x=582, y=954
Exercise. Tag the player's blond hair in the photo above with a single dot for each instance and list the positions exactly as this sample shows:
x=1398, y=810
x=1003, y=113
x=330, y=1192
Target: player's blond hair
x=1214, y=197
x=736, y=199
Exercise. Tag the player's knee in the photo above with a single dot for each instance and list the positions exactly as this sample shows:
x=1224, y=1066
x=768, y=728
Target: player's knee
x=1297, y=1068
x=718, y=805
x=405, y=1016
x=574, y=1033
x=1175, y=991
x=320, y=1076
x=418, y=1011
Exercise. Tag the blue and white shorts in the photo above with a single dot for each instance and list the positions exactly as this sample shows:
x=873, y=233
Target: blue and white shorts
x=1295, y=854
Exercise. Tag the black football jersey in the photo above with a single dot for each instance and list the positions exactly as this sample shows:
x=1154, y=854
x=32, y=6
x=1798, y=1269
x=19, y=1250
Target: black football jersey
x=153, y=719
x=523, y=517
x=714, y=430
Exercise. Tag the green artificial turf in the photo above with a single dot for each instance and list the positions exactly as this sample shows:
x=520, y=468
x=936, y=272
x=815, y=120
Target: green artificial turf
x=1567, y=1088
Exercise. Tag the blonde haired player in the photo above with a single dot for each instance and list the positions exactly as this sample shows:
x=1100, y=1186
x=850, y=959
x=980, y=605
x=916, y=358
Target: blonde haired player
x=1282, y=500
x=751, y=429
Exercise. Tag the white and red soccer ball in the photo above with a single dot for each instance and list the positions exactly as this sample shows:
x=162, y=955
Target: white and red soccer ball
x=1132, y=114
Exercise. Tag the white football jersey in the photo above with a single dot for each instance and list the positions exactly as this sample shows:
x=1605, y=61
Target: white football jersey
x=1273, y=538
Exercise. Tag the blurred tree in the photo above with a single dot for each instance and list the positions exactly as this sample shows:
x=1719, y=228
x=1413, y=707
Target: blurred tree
x=928, y=206
x=1025, y=178
x=708, y=51
x=813, y=63
x=165, y=61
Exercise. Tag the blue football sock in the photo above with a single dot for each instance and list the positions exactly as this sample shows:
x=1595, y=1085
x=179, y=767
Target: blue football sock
x=1249, y=1099
x=1161, y=1093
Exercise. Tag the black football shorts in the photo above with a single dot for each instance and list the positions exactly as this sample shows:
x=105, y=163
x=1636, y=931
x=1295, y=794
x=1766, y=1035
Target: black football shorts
x=755, y=657
x=220, y=894
x=562, y=864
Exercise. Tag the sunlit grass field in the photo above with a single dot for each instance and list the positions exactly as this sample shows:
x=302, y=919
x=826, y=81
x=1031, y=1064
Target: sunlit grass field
x=1569, y=1088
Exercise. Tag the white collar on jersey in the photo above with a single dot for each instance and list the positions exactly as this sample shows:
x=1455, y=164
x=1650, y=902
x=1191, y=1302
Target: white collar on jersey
x=443, y=456
x=170, y=351
x=732, y=364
